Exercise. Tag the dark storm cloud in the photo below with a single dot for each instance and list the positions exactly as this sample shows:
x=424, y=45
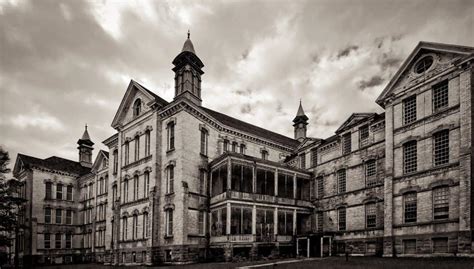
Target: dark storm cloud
x=67, y=63
x=373, y=81
x=345, y=52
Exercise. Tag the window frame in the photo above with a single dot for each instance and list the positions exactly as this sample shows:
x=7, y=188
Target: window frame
x=440, y=96
x=409, y=110
x=342, y=219
x=441, y=197
x=410, y=163
x=410, y=199
x=341, y=188
x=441, y=147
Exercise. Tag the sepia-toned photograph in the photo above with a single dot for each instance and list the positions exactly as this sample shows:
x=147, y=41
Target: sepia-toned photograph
x=246, y=134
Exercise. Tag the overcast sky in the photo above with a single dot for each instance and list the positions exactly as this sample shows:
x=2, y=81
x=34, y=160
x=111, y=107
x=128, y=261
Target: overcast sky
x=67, y=63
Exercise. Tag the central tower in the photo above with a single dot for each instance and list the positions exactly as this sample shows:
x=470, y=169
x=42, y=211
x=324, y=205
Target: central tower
x=188, y=71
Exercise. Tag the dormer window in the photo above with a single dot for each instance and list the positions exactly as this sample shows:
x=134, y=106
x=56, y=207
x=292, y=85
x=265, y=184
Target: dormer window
x=423, y=64
x=137, y=106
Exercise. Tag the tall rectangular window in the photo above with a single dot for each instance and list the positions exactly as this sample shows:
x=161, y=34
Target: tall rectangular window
x=48, y=190
x=58, y=241
x=147, y=143
x=409, y=110
x=410, y=157
x=115, y=169
x=136, y=184
x=201, y=222
x=145, y=225
x=410, y=207
x=170, y=181
x=341, y=181
x=265, y=182
x=314, y=157
x=124, y=228
x=69, y=193
x=146, y=183
x=68, y=216
x=127, y=152
x=68, y=240
x=226, y=145
x=204, y=139
x=341, y=213
x=285, y=222
x=363, y=135
x=303, y=160
x=441, y=147
x=137, y=148
x=242, y=149
x=370, y=173
x=319, y=222
x=264, y=155
x=285, y=185
x=169, y=222
x=47, y=240
x=240, y=220
x=440, y=96
x=59, y=215
x=47, y=215
x=371, y=215
x=320, y=187
x=125, y=190
x=235, y=145
x=171, y=136
x=346, y=143
x=441, y=203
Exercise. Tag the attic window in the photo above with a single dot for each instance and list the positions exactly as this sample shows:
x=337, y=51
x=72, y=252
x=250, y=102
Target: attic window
x=423, y=64
x=137, y=106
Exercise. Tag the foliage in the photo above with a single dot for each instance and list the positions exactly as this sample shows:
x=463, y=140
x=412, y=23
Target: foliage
x=9, y=201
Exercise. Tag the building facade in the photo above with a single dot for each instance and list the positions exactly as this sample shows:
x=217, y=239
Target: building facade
x=184, y=183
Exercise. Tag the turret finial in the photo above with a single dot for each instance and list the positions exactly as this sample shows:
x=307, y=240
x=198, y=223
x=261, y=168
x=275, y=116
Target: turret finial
x=189, y=33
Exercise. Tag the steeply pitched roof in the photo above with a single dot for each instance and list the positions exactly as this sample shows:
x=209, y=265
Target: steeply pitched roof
x=252, y=129
x=55, y=163
x=355, y=118
x=158, y=99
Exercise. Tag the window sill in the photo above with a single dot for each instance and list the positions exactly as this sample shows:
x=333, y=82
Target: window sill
x=170, y=150
x=204, y=155
x=169, y=194
x=168, y=237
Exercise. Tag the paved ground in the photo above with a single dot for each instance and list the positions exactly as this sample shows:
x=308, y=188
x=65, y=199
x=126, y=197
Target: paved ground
x=330, y=263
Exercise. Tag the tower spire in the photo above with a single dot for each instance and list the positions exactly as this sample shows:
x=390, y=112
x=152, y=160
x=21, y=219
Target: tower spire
x=188, y=72
x=300, y=122
x=85, y=148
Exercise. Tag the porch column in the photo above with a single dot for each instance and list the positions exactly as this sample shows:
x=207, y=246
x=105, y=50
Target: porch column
x=322, y=246
x=307, y=247
x=254, y=220
x=254, y=178
x=229, y=174
x=275, y=222
x=294, y=222
x=276, y=182
x=228, y=219
x=294, y=186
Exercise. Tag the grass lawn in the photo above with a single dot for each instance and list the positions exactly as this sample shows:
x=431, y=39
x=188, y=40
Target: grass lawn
x=330, y=263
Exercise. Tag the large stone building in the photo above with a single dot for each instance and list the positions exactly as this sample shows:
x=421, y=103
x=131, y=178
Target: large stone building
x=184, y=183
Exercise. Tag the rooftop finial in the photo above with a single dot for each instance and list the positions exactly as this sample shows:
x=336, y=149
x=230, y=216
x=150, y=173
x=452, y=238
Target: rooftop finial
x=86, y=126
x=189, y=33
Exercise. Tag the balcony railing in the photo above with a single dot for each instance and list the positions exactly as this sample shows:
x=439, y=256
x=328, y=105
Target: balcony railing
x=256, y=197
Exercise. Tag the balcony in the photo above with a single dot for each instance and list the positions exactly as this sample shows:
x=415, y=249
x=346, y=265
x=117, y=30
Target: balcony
x=249, y=238
x=255, y=197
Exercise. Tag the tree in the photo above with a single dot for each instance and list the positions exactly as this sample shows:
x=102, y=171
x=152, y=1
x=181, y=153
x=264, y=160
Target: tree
x=9, y=205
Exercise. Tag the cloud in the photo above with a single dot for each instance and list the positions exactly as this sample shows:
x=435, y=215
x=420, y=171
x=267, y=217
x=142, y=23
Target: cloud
x=372, y=82
x=346, y=51
x=67, y=63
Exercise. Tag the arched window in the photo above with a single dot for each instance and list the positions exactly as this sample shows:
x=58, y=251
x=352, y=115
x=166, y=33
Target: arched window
x=125, y=190
x=137, y=148
x=170, y=179
x=136, y=183
x=145, y=225
x=124, y=228
x=137, y=106
x=147, y=143
x=146, y=183
x=135, y=227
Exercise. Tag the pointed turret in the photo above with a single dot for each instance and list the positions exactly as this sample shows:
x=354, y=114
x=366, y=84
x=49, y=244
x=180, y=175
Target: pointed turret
x=188, y=71
x=300, y=122
x=85, y=149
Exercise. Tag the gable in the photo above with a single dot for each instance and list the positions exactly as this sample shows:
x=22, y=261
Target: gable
x=147, y=100
x=443, y=57
x=354, y=119
x=101, y=160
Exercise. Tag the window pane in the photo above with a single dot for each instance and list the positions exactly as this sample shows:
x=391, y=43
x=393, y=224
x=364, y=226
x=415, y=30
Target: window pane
x=410, y=157
x=440, y=96
x=441, y=203
x=409, y=110
x=410, y=207
x=441, y=148
x=341, y=180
